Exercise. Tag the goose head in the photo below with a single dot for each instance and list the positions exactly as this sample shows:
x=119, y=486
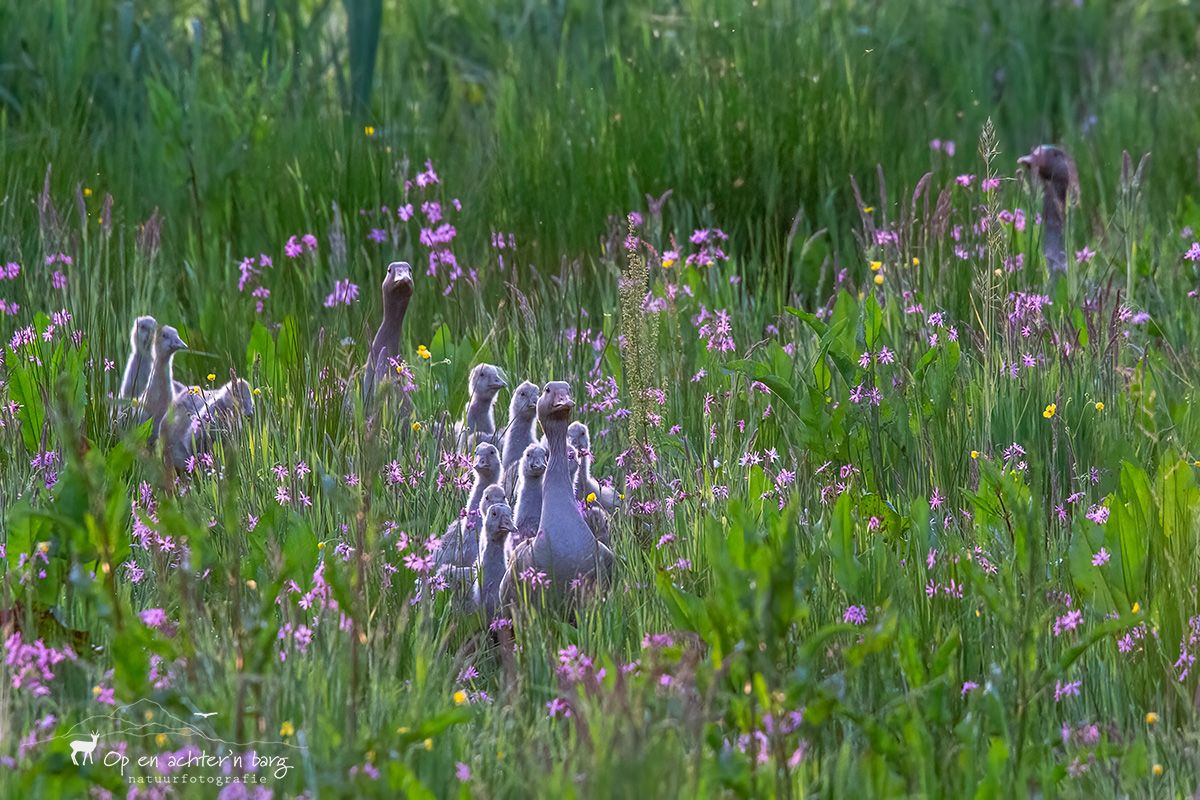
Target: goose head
x=142, y=335
x=533, y=461
x=486, y=381
x=398, y=282
x=487, y=462
x=498, y=522
x=579, y=437
x=493, y=494
x=167, y=341
x=1052, y=165
x=555, y=404
x=243, y=396
x=523, y=405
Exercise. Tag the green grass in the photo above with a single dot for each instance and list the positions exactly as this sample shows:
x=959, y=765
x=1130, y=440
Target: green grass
x=766, y=493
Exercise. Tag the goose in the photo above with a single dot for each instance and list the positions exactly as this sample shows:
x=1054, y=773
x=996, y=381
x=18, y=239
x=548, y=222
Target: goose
x=593, y=513
x=460, y=544
x=491, y=495
x=1056, y=170
x=580, y=438
x=199, y=415
x=564, y=548
x=480, y=426
x=522, y=416
x=529, y=495
x=159, y=393
x=397, y=292
x=493, y=542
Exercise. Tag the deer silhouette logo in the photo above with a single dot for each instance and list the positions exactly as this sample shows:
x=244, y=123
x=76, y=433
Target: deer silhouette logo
x=85, y=747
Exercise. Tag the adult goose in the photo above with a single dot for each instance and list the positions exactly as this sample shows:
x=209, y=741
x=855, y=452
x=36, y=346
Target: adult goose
x=385, y=347
x=1056, y=171
x=564, y=550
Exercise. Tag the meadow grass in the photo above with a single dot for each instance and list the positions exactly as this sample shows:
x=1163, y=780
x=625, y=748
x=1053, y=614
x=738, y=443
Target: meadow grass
x=900, y=517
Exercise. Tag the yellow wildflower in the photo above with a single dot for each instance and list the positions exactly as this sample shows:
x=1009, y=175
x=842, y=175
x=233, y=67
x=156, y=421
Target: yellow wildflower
x=1151, y=717
x=1050, y=411
x=974, y=454
x=369, y=130
x=868, y=209
x=287, y=729
x=1099, y=405
x=916, y=261
x=423, y=351
x=416, y=426
x=96, y=690
x=212, y=377
x=1157, y=769
x=87, y=191
x=1137, y=607
x=320, y=545
x=428, y=743
x=460, y=697
x=591, y=497
x=876, y=266
x=161, y=740
x=878, y=279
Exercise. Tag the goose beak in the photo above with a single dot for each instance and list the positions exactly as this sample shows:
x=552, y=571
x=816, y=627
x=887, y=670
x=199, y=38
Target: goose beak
x=563, y=402
x=401, y=273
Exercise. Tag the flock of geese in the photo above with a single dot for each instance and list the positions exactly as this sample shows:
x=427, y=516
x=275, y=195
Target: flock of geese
x=536, y=521
x=535, y=524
